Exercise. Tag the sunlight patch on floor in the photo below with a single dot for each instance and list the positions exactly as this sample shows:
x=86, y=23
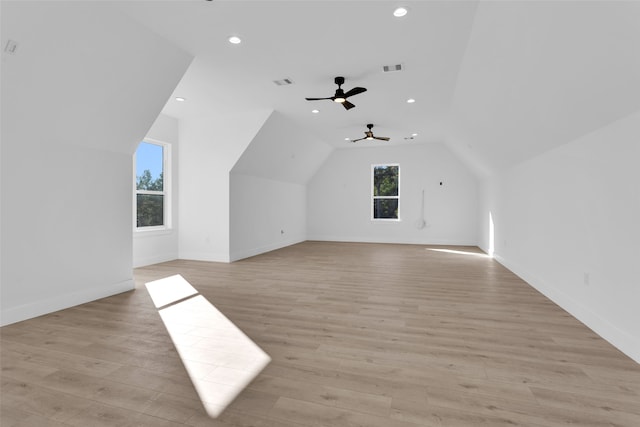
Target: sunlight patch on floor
x=220, y=359
x=169, y=290
x=451, y=251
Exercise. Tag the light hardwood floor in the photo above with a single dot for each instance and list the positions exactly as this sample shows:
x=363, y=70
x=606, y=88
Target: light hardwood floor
x=359, y=335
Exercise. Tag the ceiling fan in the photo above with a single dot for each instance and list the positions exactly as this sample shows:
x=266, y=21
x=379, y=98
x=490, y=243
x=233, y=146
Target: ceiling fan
x=340, y=96
x=369, y=135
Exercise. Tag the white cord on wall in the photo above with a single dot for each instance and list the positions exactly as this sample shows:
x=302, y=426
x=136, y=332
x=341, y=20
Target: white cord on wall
x=421, y=223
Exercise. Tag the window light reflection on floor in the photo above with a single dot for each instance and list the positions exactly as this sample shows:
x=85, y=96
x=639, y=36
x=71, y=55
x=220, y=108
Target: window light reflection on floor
x=451, y=251
x=220, y=359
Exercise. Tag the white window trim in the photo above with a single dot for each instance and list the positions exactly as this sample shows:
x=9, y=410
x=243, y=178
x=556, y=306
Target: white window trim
x=384, y=197
x=166, y=190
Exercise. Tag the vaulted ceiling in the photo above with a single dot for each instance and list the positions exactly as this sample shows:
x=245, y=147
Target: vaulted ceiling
x=497, y=81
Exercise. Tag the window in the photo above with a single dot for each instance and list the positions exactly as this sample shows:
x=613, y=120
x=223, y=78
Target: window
x=386, y=192
x=151, y=184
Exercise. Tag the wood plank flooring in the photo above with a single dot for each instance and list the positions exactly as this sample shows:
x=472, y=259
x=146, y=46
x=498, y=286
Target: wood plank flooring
x=365, y=335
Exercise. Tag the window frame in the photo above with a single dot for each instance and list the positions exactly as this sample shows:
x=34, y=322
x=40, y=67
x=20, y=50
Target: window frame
x=165, y=193
x=374, y=197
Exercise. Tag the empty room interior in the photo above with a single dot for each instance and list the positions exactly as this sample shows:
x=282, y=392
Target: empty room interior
x=320, y=213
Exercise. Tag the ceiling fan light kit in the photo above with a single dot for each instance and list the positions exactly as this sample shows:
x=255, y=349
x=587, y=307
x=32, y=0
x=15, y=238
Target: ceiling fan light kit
x=341, y=96
x=400, y=12
x=370, y=136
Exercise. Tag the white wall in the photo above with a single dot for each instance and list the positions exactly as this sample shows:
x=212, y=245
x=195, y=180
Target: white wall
x=152, y=247
x=77, y=97
x=265, y=215
x=209, y=147
x=339, y=197
x=268, y=187
x=571, y=212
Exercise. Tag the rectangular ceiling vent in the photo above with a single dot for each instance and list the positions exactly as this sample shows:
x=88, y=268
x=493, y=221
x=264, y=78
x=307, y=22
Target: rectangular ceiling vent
x=392, y=68
x=283, y=82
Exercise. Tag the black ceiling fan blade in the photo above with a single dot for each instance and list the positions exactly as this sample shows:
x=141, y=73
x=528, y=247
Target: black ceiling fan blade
x=382, y=138
x=355, y=91
x=347, y=105
x=356, y=140
x=318, y=99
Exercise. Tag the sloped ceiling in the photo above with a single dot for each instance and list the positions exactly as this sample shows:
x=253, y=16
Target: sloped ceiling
x=283, y=151
x=497, y=81
x=540, y=74
x=86, y=86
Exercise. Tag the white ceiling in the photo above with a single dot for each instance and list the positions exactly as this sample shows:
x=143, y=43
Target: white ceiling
x=497, y=81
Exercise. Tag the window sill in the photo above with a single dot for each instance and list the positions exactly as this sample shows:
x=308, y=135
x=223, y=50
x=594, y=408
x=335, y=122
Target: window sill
x=152, y=232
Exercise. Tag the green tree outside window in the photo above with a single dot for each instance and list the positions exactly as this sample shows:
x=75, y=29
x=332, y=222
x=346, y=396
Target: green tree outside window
x=150, y=191
x=386, y=179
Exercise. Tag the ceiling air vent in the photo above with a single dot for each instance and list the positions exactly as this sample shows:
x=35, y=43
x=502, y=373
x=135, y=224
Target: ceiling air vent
x=283, y=82
x=392, y=68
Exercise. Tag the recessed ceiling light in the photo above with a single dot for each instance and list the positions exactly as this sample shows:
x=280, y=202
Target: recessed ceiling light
x=410, y=101
x=347, y=139
x=414, y=134
x=315, y=111
x=235, y=40
x=400, y=12
x=180, y=99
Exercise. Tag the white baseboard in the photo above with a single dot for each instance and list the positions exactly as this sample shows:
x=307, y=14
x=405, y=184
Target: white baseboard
x=360, y=239
x=60, y=302
x=204, y=256
x=141, y=262
x=620, y=339
x=246, y=253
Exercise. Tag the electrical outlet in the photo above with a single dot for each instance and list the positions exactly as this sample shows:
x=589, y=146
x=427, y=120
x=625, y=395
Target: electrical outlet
x=11, y=47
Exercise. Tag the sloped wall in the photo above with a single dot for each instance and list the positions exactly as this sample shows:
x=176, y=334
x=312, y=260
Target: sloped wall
x=81, y=91
x=566, y=222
